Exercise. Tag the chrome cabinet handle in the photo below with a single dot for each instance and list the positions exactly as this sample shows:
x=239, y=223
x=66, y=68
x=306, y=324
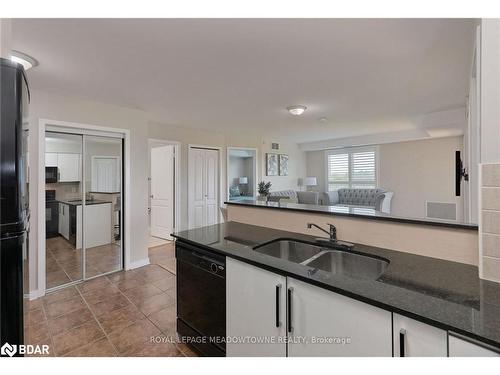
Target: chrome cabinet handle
x=402, y=338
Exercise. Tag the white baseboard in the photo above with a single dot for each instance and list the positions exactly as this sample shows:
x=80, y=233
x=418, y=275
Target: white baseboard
x=138, y=263
x=34, y=294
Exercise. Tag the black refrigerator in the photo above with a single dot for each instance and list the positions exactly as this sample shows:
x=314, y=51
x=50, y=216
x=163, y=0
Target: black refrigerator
x=14, y=224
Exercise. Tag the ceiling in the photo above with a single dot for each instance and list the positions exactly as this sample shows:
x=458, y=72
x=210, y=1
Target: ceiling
x=238, y=75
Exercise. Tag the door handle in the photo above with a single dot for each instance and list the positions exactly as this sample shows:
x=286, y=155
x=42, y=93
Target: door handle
x=278, y=294
x=289, y=310
x=402, y=338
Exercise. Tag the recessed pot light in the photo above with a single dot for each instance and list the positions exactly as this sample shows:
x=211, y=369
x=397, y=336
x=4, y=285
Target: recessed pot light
x=323, y=120
x=296, y=110
x=21, y=58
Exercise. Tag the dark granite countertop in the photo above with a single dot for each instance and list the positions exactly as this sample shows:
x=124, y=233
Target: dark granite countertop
x=350, y=211
x=448, y=295
x=78, y=202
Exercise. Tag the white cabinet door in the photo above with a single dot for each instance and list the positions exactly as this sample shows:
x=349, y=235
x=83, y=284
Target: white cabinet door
x=465, y=348
x=51, y=159
x=255, y=308
x=68, y=167
x=416, y=339
x=97, y=219
x=105, y=174
x=64, y=220
x=324, y=323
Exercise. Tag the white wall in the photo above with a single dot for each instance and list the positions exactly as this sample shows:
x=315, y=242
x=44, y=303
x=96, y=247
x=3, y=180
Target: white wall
x=490, y=91
x=296, y=165
x=417, y=171
x=420, y=171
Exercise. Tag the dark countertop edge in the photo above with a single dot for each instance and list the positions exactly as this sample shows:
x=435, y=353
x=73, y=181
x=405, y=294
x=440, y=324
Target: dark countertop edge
x=392, y=309
x=103, y=192
x=369, y=217
x=80, y=204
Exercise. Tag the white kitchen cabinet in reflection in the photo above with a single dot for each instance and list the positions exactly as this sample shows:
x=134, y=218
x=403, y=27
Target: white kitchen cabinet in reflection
x=105, y=174
x=98, y=229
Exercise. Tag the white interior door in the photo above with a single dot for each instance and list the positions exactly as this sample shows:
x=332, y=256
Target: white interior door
x=203, y=187
x=162, y=191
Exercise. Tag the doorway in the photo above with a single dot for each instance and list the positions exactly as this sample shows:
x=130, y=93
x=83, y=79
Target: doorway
x=83, y=205
x=163, y=191
x=203, y=186
x=241, y=173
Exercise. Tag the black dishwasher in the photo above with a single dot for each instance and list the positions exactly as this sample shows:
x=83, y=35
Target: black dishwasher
x=201, y=299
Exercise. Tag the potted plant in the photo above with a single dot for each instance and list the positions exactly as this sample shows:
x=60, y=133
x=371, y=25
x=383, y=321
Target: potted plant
x=264, y=188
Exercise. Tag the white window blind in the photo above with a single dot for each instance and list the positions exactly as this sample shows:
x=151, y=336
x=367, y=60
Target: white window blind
x=352, y=168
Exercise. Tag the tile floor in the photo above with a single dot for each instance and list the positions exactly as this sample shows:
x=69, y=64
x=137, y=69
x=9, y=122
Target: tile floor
x=64, y=262
x=156, y=241
x=114, y=315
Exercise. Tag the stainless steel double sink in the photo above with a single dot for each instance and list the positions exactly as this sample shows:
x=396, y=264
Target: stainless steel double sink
x=338, y=261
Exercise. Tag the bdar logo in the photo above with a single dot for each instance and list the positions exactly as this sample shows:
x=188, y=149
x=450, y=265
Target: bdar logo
x=8, y=349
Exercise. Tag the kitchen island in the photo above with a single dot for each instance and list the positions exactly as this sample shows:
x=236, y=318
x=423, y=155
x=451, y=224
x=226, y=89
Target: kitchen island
x=98, y=218
x=413, y=296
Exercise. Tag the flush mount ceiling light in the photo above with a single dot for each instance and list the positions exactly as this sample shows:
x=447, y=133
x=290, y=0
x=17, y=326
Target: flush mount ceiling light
x=296, y=110
x=21, y=58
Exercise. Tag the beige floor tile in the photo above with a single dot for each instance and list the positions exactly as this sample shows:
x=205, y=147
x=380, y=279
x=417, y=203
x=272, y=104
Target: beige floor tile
x=77, y=337
x=167, y=283
x=165, y=320
x=69, y=320
x=150, y=349
x=137, y=333
x=130, y=283
x=38, y=332
x=109, y=304
x=156, y=303
x=140, y=294
x=97, y=283
x=68, y=305
x=99, y=348
x=36, y=316
x=120, y=318
x=59, y=295
x=97, y=295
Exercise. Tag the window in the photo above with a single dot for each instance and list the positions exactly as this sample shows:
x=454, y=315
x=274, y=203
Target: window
x=352, y=168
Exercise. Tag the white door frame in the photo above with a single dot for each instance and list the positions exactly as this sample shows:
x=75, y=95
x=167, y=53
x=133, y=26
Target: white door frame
x=255, y=167
x=220, y=194
x=177, y=179
x=38, y=199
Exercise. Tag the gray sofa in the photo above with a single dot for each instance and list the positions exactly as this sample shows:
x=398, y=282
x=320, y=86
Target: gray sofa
x=379, y=199
x=304, y=197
